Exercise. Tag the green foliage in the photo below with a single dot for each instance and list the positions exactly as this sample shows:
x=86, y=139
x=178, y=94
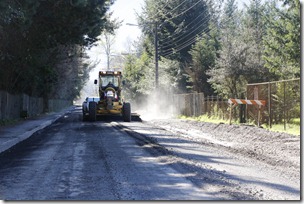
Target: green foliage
x=286, y=100
x=215, y=47
x=240, y=58
x=294, y=129
x=41, y=44
x=5, y=122
x=226, y=76
x=203, y=59
x=282, y=40
x=178, y=23
x=137, y=76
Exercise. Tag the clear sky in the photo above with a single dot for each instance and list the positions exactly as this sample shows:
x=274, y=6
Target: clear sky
x=123, y=10
x=126, y=10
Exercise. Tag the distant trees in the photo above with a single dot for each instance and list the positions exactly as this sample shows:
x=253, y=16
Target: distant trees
x=240, y=58
x=282, y=39
x=42, y=44
x=226, y=72
x=178, y=24
x=219, y=49
x=203, y=55
x=108, y=40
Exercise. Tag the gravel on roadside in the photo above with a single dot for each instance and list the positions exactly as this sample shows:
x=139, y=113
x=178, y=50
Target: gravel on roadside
x=280, y=150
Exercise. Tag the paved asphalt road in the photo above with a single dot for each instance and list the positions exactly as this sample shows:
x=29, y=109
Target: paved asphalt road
x=76, y=160
x=113, y=160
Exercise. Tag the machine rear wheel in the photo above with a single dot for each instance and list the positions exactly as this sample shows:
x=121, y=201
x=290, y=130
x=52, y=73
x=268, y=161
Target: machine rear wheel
x=92, y=111
x=126, y=112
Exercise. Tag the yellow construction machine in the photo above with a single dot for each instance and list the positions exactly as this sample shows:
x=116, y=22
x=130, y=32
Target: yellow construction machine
x=111, y=101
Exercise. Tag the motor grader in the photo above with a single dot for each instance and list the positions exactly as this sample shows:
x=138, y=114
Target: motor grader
x=111, y=101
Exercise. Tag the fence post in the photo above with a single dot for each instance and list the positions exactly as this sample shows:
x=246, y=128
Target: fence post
x=217, y=106
x=269, y=105
x=1, y=117
x=8, y=107
x=242, y=111
x=259, y=115
x=230, y=115
x=284, y=106
x=193, y=104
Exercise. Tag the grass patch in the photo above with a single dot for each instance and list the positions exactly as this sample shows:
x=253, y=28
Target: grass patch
x=291, y=128
x=205, y=118
x=8, y=122
x=296, y=121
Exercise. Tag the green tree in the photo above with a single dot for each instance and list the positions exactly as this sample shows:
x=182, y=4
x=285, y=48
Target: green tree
x=253, y=28
x=178, y=24
x=240, y=57
x=282, y=40
x=226, y=76
x=203, y=59
x=41, y=44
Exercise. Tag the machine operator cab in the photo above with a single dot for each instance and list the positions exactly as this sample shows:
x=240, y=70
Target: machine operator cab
x=109, y=85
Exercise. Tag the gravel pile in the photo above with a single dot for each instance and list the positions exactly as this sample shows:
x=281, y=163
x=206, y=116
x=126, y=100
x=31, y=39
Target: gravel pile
x=280, y=150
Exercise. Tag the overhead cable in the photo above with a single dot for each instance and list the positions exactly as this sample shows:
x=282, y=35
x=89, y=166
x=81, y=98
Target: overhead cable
x=196, y=27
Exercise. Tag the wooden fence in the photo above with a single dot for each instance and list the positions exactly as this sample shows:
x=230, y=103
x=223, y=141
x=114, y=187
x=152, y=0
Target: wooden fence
x=22, y=105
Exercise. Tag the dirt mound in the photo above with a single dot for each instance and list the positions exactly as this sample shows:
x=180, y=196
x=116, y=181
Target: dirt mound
x=281, y=150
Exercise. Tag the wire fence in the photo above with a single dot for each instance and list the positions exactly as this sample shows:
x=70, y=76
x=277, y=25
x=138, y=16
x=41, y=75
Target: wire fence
x=196, y=104
x=282, y=104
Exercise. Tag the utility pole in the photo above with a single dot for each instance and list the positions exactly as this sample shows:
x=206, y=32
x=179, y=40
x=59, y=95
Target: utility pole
x=156, y=55
x=156, y=50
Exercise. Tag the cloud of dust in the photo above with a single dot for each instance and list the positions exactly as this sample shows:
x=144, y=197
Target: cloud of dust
x=158, y=105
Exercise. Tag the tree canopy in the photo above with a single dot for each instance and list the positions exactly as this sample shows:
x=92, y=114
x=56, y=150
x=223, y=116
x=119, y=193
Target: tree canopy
x=42, y=44
x=217, y=47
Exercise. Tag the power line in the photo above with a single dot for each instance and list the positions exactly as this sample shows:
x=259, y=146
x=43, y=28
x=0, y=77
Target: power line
x=181, y=12
x=178, y=6
x=177, y=33
x=187, y=43
x=180, y=47
x=160, y=10
x=170, y=10
x=191, y=41
x=178, y=39
x=168, y=46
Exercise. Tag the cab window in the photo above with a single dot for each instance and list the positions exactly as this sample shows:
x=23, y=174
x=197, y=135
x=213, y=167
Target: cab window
x=105, y=80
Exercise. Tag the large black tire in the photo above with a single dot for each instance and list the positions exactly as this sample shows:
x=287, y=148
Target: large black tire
x=84, y=117
x=92, y=111
x=126, y=112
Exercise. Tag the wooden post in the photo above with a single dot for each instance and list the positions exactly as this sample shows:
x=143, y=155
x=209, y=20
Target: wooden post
x=284, y=106
x=269, y=105
x=230, y=116
x=259, y=113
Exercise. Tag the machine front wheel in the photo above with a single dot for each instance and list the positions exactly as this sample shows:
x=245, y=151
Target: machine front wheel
x=126, y=112
x=92, y=111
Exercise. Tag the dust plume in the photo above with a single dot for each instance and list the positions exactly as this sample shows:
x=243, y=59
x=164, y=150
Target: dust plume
x=158, y=105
